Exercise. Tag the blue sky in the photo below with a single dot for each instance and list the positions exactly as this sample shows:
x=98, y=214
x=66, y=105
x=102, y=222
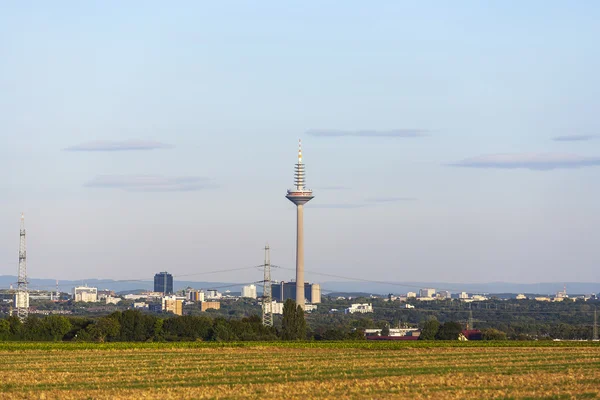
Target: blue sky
x=449, y=142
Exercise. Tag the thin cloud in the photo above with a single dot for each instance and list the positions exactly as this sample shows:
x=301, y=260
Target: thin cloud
x=395, y=133
x=340, y=206
x=542, y=162
x=333, y=188
x=124, y=145
x=151, y=183
x=574, y=138
x=390, y=199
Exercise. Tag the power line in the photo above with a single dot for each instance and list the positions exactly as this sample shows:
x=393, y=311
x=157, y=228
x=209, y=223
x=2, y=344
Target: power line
x=151, y=278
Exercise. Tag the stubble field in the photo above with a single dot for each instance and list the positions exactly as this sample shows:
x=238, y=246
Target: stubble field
x=286, y=371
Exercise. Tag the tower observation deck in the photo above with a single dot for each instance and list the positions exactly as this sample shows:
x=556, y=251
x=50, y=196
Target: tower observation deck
x=299, y=195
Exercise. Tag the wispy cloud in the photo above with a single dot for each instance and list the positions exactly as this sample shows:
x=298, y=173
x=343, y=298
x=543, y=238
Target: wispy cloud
x=371, y=202
x=124, y=145
x=544, y=161
x=395, y=133
x=390, y=199
x=151, y=183
x=332, y=188
x=574, y=138
x=341, y=205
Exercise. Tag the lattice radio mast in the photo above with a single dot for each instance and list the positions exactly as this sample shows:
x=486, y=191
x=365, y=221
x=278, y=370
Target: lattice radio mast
x=267, y=308
x=22, y=296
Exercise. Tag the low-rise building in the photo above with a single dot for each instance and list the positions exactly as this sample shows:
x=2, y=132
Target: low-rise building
x=444, y=294
x=521, y=296
x=310, y=307
x=411, y=295
x=103, y=294
x=209, y=305
x=394, y=332
x=359, y=308
x=112, y=300
x=427, y=293
x=85, y=294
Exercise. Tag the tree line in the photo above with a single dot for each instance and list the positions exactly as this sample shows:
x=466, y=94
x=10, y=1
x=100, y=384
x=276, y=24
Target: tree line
x=136, y=326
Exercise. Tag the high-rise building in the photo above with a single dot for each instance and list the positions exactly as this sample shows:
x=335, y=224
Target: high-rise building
x=300, y=195
x=195, y=295
x=163, y=283
x=249, y=291
x=282, y=291
x=172, y=304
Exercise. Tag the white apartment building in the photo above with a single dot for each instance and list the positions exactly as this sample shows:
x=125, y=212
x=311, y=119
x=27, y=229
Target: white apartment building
x=112, y=300
x=21, y=300
x=275, y=308
x=212, y=294
x=359, y=308
x=249, y=291
x=195, y=295
x=444, y=294
x=427, y=293
x=411, y=295
x=85, y=294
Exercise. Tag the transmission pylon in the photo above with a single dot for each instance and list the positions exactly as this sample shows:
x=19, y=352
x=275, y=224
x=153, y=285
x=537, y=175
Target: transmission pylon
x=267, y=306
x=22, y=296
x=595, y=332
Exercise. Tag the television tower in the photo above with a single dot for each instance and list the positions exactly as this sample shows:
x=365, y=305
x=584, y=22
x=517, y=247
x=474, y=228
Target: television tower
x=267, y=306
x=299, y=196
x=22, y=296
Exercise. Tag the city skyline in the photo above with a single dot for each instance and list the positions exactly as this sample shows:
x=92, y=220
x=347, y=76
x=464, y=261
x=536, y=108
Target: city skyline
x=447, y=142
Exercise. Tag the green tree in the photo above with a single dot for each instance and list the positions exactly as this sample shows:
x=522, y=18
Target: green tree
x=293, y=325
x=16, y=326
x=492, y=334
x=55, y=327
x=429, y=330
x=105, y=328
x=449, y=331
x=4, y=329
x=33, y=328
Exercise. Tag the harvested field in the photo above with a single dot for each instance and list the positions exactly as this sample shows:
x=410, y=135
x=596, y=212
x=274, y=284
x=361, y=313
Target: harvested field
x=284, y=371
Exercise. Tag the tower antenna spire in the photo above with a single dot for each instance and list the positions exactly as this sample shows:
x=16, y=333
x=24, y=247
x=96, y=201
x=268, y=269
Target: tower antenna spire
x=22, y=296
x=300, y=195
x=267, y=307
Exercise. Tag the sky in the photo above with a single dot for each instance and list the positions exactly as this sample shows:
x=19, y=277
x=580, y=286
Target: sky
x=455, y=141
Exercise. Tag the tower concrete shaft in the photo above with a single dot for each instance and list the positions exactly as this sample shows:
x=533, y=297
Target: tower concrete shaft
x=22, y=295
x=299, y=196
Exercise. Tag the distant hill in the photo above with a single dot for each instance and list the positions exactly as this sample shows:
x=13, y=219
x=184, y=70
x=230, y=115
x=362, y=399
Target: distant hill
x=366, y=288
